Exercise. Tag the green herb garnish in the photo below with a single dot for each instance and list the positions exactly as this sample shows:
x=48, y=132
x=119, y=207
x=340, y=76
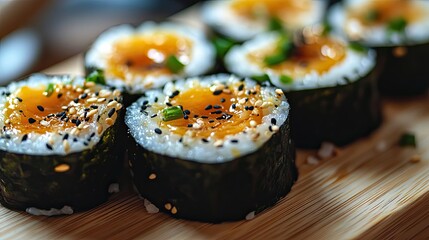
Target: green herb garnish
x=327, y=28
x=284, y=50
x=372, y=16
x=174, y=64
x=222, y=45
x=96, y=76
x=397, y=24
x=357, y=47
x=172, y=113
x=49, y=89
x=286, y=79
x=275, y=24
x=261, y=78
x=408, y=140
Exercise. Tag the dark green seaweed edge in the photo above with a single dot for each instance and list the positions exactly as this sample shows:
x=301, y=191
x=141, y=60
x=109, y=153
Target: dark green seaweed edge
x=339, y=114
x=406, y=75
x=30, y=181
x=217, y=192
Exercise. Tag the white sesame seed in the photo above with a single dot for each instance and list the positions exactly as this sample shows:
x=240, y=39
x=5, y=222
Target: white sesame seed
x=174, y=210
x=415, y=158
x=109, y=121
x=104, y=93
x=99, y=129
x=253, y=123
x=112, y=104
x=92, y=100
x=92, y=112
x=258, y=103
x=218, y=143
x=44, y=123
x=116, y=93
x=66, y=146
x=168, y=206
x=279, y=91
x=100, y=100
x=62, y=167
x=275, y=128
x=152, y=176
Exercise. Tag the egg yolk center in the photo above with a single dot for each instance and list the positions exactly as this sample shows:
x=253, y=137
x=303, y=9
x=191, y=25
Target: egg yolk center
x=146, y=54
x=215, y=115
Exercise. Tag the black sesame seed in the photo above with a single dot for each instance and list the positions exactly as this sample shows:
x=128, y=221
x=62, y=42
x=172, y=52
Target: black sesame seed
x=60, y=114
x=168, y=104
x=273, y=121
x=49, y=147
x=158, y=131
x=205, y=140
x=78, y=122
x=19, y=99
x=251, y=108
x=189, y=125
x=59, y=95
x=145, y=102
x=144, y=107
x=94, y=107
x=31, y=120
x=217, y=92
x=74, y=139
x=270, y=128
x=7, y=136
x=217, y=112
x=85, y=114
x=204, y=117
x=208, y=107
x=73, y=121
x=85, y=143
x=181, y=140
x=185, y=116
x=156, y=99
x=241, y=87
x=217, y=107
x=187, y=112
x=111, y=112
x=233, y=106
x=154, y=115
x=24, y=138
x=234, y=141
x=195, y=116
x=83, y=96
x=66, y=136
x=40, y=108
x=222, y=100
x=246, y=108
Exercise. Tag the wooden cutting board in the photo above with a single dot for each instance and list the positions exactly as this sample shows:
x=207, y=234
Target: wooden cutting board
x=369, y=190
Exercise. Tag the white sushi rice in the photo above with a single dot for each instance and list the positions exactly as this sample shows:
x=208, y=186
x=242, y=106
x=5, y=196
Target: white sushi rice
x=416, y=32
x=66, y=210
x=142, y=126
x=354, y=66
x=224, y=19
x=202, y=57
x=36, y=142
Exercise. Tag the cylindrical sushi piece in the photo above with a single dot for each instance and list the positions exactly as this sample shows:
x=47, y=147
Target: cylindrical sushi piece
x=242, y=20
x=57, y=144
x=399, y=31
x=149, y=56
x=330, y=84
x=213, y=149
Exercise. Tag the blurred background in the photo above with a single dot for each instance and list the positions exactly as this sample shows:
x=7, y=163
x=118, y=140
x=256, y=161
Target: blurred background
x=35, y=34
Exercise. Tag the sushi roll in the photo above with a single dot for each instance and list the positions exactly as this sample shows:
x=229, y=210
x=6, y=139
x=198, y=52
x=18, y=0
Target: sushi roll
x=399, y=31
x=137, y=59
x=242, y=20
x=57, y=144
x=213, y=149
x=329, y=83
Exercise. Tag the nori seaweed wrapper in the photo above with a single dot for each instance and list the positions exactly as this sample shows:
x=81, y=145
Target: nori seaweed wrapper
x=217, y=192
x=404, y=70
x=339, y=114
x=31, y=181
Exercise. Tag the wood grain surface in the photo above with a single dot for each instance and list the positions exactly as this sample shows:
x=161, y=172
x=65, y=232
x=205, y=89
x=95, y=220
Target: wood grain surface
x=369, y=190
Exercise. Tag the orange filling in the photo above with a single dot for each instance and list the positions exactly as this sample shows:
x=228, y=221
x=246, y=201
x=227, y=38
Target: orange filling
x=318, y=54
x=253, y=8
x=220, y=121
x=25, y=115
x=382, y=11
x=145, y=54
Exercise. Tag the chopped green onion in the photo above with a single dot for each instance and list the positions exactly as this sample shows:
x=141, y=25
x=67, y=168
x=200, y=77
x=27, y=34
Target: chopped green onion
x=275, y=59
x=49, y=89
x=261, y=78
x=97, y=76
x=408, y=140
x=222, y=45
x=372, y=16
x=327, y=28
x=275, y=24
x=397, y=25
x=172, y=113
x=284, y=50
x=286, y=79
x=174, y=64
x=357, y=47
